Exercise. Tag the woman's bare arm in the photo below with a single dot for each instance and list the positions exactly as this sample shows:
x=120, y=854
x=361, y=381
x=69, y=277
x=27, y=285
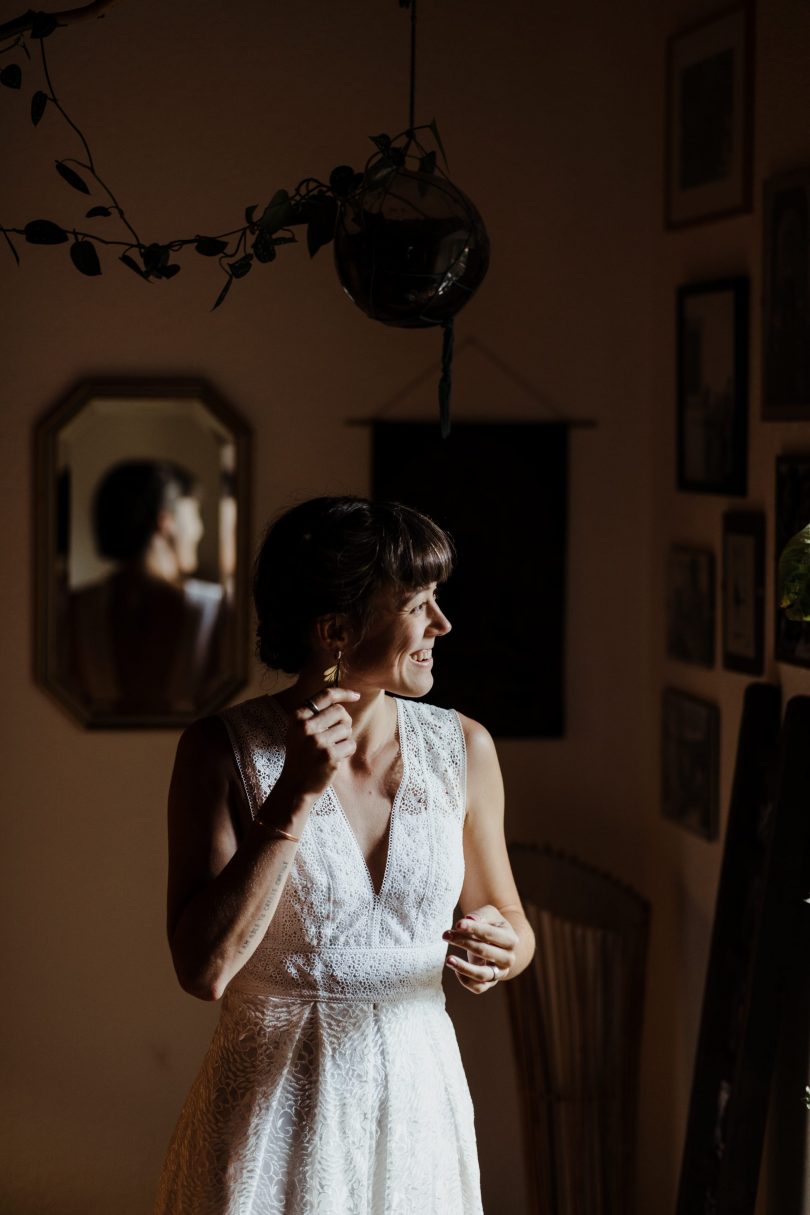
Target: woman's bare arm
x=493, y=929
x=223, y=891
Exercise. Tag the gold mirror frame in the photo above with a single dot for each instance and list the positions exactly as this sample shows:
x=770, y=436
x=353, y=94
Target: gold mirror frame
x=56, y=592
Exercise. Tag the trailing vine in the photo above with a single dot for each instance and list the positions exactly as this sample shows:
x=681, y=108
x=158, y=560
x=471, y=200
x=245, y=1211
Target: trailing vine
x=313, y=204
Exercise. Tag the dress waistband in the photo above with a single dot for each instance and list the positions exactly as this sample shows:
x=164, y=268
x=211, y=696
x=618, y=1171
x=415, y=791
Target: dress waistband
x=347, y=974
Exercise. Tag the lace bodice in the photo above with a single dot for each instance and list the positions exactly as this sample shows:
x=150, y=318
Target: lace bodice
x=332, y=936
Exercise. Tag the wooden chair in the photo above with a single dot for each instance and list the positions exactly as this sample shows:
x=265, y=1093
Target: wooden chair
x=576, y=1017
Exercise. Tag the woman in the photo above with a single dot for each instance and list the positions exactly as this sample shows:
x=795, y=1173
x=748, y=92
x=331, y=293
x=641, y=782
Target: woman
x=319, y=844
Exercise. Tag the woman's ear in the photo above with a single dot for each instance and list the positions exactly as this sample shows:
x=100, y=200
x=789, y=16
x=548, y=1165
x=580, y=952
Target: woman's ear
x=332, y=632
x=165, y=524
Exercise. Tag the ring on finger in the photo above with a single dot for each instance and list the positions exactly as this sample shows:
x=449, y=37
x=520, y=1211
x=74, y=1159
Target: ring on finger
x=496, y=974
x=310, y=704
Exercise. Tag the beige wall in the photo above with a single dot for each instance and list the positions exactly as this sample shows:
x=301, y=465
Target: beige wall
x=552, y=116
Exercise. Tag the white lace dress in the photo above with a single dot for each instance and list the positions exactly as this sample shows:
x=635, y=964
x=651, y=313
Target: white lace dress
x=333, y=1084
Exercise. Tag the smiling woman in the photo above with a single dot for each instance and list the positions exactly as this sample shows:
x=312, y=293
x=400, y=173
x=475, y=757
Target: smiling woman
x=320, y=841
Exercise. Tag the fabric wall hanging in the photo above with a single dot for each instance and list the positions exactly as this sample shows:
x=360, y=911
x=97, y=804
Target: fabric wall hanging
x=500, y=489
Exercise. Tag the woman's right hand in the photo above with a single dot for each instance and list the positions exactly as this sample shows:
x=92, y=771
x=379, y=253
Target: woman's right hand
x=318, y=742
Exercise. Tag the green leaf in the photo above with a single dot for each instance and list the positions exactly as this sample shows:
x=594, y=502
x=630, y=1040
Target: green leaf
x=44, y=232
x=43, y=25
x=72, y=177
x=278, y=213
x=793, y=577
x=210, y=246
x=428, y=163
x=223, y=292
x=383, y=142
x=435, y=131
x=84, y=257
x=97, y=211
x=380, y=169
x=240, y=268
x=264, y=247
x=38, y=104
x=133, y=265
x=11, y=76
x=154, y=257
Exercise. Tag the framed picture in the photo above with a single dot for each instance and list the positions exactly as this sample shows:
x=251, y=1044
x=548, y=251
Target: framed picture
x=712, y=387
x=690, y=605
x=791, y=637
x=786, y=298
x=743, y=591
x=709, y=119
x=690, y=733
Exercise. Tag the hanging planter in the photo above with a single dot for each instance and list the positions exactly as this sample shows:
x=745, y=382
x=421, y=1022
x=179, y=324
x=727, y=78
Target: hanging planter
x=410, y=249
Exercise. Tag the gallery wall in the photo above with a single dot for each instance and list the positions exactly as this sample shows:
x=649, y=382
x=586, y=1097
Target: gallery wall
x=688, y=867
x=553, y=119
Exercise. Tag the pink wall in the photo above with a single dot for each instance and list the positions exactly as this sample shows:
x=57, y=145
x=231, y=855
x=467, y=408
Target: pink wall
x=552, y=116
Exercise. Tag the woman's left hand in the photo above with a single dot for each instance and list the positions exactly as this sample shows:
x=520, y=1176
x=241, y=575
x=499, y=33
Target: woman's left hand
x=489, y=941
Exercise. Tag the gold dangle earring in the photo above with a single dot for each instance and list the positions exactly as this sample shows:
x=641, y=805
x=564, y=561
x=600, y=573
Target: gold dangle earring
x=331, y=676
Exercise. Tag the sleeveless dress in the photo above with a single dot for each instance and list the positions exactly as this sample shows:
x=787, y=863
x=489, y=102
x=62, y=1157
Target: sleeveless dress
x=333, y=1084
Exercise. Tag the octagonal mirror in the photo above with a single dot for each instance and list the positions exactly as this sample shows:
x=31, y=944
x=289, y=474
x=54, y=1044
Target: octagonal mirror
x=142, y=534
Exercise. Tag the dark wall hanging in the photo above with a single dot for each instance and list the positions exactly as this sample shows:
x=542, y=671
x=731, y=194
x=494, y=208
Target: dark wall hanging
x=757, y=926
x=501, y=491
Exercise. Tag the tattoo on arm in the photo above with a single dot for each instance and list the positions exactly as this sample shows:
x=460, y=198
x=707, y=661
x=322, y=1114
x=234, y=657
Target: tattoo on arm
x=267, y=909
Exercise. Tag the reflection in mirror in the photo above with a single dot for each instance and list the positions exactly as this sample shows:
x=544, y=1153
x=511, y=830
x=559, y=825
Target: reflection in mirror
x=142, y=547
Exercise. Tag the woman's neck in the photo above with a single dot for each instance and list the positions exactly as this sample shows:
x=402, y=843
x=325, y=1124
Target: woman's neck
x=374, y=715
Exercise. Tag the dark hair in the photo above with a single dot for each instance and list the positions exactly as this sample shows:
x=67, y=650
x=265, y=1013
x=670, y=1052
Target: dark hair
x=332, y=555
x=128, y=502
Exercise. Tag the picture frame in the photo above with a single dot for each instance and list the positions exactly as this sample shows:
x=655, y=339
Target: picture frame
x=743, y=591
x=690, y=741
x=792, y=513
x=690, y=614
x=709, y=119
x=786, y=297
x=712, y=387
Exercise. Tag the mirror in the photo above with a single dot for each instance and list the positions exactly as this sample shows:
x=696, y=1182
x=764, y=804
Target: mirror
x=142, y=515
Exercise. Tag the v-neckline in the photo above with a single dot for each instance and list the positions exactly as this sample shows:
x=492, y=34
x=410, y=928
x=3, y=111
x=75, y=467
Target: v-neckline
x=377, y=894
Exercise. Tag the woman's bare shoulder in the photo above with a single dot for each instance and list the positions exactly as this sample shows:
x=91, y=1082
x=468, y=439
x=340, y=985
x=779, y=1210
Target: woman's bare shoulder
x=477, y=738
x=205, y=742
x=205, y=769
